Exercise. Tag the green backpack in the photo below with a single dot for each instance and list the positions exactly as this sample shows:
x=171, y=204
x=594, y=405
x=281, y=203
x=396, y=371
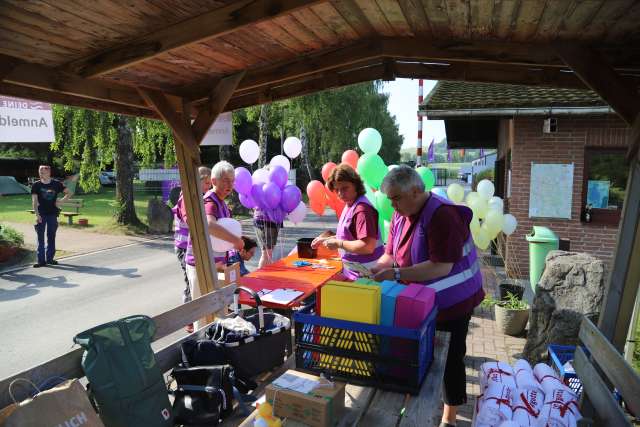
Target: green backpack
x=125, y=380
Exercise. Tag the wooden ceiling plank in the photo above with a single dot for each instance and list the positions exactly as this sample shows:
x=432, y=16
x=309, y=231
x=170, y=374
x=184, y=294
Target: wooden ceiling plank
x=215, y=23
x=217, y=51
x=353, y=15
x=246, y=45
x=505, y=12
x=217, y=101
x=528, y=19
x=300, y=32
x=37, y=43
x=375, y=16
x=332, y=18
x=480, y=13
x=7, y=66
x=415, y=16
x=596, y=73
x=458, y=11
x=627, y=26
x=436, y=12
x=276, y=32
x=395, y=17
x=609, y=17
x=322, y=31
x=159, y=102
x=16, y=49
x=580, y=18
x=26, y=92
x=551, y=19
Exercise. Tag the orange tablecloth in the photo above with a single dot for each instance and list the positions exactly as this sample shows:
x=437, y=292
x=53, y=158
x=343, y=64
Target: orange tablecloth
x=283, y=274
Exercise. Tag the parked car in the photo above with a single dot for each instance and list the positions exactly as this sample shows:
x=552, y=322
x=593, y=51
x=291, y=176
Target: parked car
x=107, y=178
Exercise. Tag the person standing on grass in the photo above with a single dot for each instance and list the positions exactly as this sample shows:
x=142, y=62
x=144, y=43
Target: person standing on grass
x=44, y=199
x=430, y=244
x=181, y=228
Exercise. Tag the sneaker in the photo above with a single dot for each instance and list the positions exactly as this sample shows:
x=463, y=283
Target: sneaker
x=189, y=328
x=38, y=265
x=52, y=262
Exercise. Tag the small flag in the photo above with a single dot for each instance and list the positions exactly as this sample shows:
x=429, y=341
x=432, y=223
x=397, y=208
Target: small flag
x=482, y=152
x=432, y=152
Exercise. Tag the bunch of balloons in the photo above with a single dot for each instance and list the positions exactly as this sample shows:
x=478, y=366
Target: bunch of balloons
x=489, y=218
x=268, y=188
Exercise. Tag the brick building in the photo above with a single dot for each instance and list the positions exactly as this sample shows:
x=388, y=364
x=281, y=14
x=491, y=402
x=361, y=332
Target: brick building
x=543, y=128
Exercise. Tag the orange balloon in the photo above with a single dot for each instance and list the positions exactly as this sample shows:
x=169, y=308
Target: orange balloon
x=339, y=207
x=351, y=157
x=316, y=191
x=317, y=206
x=327, y=169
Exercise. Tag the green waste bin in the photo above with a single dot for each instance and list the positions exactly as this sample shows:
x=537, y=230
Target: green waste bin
x=541, y=241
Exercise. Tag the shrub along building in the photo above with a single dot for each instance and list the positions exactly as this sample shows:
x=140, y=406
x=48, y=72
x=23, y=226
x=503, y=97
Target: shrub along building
x=561, y=158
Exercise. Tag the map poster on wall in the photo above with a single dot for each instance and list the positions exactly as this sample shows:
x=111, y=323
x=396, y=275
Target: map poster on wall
x=551, y=190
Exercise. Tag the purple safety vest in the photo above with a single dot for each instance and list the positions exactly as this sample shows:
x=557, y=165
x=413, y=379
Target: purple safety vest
x=343, y=233
x=222, y=212
x=465, y=278
x=180, y=227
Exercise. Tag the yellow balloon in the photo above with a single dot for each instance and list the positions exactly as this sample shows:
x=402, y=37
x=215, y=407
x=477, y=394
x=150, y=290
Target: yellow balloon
x=481, y=239
x=474, y=225
x=491, y=234
x=472, y=196
x=479, y=206
x=455, y=192
x=494, y=221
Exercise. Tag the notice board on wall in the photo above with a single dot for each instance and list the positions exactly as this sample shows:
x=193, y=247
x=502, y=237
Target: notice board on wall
x=551, y=190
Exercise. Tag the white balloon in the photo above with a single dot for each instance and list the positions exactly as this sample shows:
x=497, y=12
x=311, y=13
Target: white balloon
x=496, y=204
x=391, y=167
x=292, y=147
x=233, y=227
x=249, y=151
x=509, y=224
x=486, y=189
x=298, y=214
x=260, y=176
x=280, y=160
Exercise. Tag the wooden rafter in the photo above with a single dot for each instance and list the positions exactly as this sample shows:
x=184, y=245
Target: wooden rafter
x=217, y=101
x=7, y=65
x=634, y=140
x=216, y=23
x=595, y=72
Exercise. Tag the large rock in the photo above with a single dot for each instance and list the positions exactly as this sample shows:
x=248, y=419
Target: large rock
x=571, y=286
x=159, y=216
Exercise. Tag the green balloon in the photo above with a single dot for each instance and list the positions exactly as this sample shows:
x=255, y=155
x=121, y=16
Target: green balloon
x=383, y=204
x=427, y=177
x=372, y=169
x=370, y=140
x=385, y=231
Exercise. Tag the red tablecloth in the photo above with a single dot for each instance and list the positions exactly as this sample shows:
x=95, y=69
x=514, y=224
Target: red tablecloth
x=283, y=274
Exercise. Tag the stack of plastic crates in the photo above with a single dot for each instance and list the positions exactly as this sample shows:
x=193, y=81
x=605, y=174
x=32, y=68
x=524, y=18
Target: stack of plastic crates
x=360, y=353
x=561, y=354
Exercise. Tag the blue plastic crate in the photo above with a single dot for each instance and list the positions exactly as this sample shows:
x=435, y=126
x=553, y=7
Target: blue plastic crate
x=360, y=353
x=561, y=354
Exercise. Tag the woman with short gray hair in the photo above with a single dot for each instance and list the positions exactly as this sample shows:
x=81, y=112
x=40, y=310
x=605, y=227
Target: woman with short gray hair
x=430, y=244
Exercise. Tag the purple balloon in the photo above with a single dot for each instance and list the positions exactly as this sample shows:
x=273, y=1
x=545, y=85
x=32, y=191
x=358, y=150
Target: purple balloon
x=291, y=196
x=271, y=195
x=242, y=183
x=257, y=195
x=278, y=175
x=247, y=201
x=277, y=215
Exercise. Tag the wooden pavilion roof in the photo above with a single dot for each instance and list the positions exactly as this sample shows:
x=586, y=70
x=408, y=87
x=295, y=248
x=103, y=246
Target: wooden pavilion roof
x=97, y=54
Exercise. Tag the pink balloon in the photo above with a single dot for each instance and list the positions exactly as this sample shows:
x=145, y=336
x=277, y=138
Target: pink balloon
x=351, y=157
x=315, y=191
x=327, y=169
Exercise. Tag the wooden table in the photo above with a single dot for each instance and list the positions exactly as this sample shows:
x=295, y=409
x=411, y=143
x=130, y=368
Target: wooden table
x=370, y=407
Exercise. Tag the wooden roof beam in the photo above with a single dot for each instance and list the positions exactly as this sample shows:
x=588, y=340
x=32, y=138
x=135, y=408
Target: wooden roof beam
x=216, y=23
x=217, y=101
x=7, y=65
x=597, y=74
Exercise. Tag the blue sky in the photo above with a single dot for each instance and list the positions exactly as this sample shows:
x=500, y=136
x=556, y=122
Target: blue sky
x=403, y=103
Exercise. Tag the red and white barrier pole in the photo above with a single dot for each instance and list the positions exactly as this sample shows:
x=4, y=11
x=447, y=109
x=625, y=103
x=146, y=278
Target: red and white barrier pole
x=419, y=142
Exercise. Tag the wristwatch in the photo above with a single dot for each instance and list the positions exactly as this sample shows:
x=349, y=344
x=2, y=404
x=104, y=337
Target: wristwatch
x=396, y=273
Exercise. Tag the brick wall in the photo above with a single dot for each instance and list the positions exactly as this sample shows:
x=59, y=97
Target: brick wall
x=565, y=146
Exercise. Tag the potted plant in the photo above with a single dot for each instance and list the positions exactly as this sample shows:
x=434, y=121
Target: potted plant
x=511, y=313
x=10, y=241
x=512, y=283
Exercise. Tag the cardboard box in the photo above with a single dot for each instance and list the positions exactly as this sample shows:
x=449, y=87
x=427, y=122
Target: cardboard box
x=229, y=274
x=321, y=407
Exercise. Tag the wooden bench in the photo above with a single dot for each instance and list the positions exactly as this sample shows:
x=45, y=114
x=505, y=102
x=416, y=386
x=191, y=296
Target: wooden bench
x=69, y=207
x=365, y=406
x=601, y=372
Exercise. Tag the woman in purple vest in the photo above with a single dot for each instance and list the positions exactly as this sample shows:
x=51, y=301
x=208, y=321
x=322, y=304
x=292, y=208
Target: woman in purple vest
x=430, y=243
x=222, y=179
x=357, y=237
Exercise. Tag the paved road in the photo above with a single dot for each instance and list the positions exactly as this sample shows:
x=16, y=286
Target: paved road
x=42, y=309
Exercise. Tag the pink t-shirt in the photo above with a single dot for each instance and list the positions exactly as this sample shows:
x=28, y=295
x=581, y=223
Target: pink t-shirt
x=364, y=222
x=210, y=208
x=182, y=210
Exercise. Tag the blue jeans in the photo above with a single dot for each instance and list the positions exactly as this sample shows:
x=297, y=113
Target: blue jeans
x=50, y=223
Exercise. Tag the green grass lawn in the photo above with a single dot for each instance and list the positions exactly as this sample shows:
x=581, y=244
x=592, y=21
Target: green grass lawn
x=98, y=208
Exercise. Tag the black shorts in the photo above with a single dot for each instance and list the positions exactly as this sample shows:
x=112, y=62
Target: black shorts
x=267, y=232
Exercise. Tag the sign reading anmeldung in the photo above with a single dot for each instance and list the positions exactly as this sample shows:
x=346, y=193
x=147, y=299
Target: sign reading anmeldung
x=220, y=131
x=22, y=120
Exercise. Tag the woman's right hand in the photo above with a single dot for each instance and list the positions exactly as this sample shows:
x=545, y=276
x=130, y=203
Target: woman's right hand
x=239, y=244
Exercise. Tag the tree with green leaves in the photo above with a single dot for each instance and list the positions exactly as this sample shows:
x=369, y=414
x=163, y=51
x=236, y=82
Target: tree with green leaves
x=89, y=141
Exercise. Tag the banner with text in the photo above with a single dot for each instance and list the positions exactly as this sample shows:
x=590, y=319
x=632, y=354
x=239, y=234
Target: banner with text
x=22, y=120
x=220, y=131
